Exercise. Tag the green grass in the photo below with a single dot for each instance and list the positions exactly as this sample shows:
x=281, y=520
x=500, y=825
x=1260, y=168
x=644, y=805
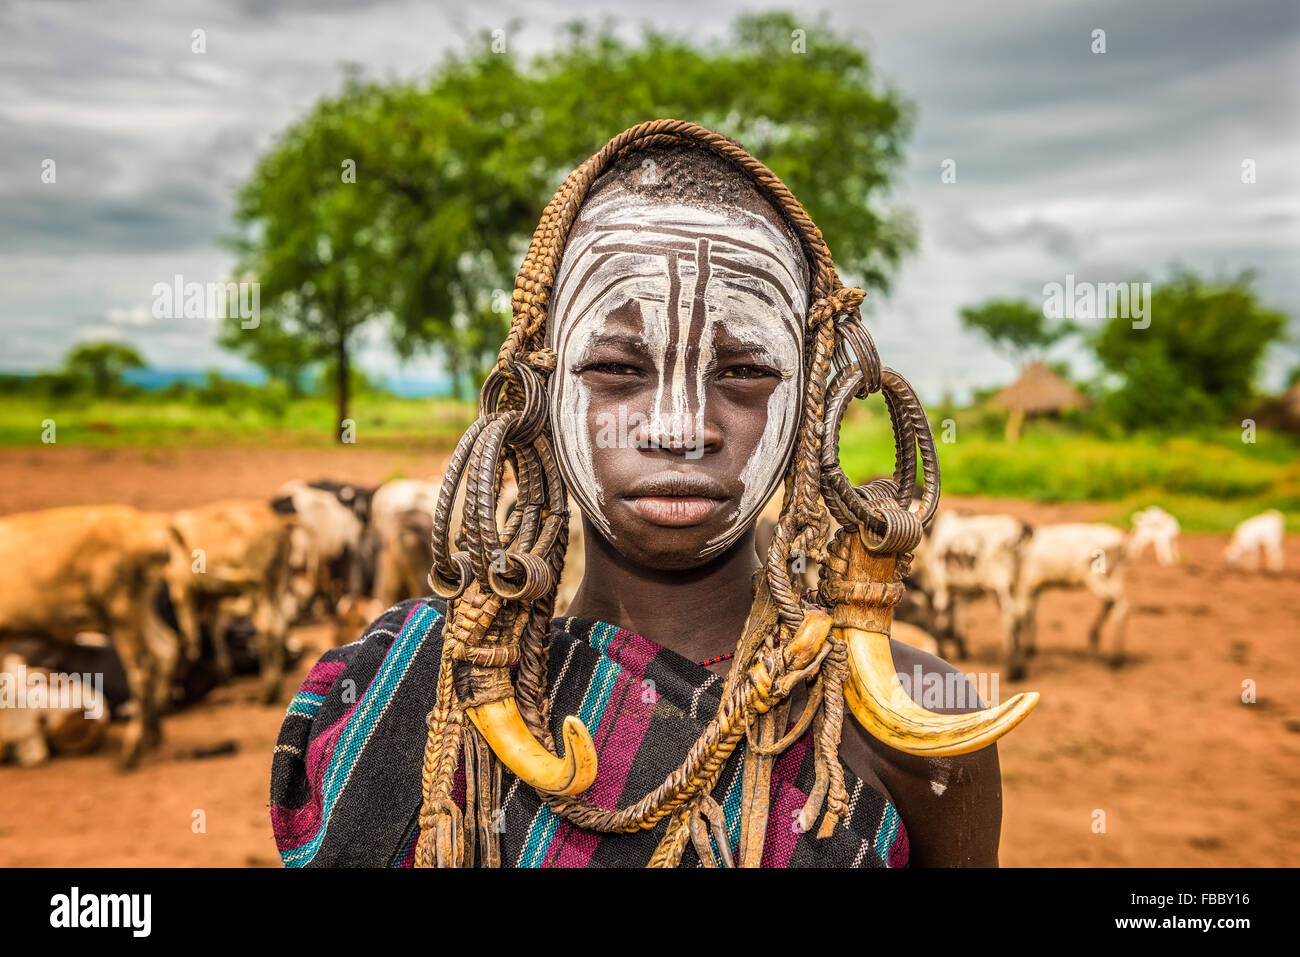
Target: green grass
x=380, y=421
x=1210, y=480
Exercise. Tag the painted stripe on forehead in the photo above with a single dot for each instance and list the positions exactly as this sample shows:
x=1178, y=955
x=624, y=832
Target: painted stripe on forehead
x=599, y=297
x=656, y=249
x=724, y=236
x=688, y=329
x=721, y=272
x=600, y=217
x=612, y=208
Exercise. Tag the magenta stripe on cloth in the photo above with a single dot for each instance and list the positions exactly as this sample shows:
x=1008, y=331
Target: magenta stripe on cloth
x=322, y=676
x=618, y=738
x=900, y=850
x=299, y=824
x=785, y=801
x=295, y=826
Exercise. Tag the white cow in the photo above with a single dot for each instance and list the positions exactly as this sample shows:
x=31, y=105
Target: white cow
x=963, y=557
x=1075, y=556
x=1261, y=534
x=1156, y=527
x=325, y=545
x=403, y=495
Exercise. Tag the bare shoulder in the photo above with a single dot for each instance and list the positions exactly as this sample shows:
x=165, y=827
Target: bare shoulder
x=951, y=807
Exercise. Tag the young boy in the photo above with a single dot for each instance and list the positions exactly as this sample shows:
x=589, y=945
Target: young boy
x=676, y=322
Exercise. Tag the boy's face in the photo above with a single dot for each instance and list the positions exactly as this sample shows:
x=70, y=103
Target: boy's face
x=680, y=379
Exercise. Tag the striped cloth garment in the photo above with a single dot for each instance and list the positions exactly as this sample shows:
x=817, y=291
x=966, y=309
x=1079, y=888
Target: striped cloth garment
x=345, y=777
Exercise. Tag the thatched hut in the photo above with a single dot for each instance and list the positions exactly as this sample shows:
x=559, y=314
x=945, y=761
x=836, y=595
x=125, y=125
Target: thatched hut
x=1280, y=411
x=1037, y=391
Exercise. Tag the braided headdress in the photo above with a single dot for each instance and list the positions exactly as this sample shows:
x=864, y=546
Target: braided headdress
x=500, y=582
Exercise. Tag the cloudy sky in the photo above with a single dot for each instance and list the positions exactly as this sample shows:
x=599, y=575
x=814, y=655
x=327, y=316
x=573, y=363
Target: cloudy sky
x=1110, y=167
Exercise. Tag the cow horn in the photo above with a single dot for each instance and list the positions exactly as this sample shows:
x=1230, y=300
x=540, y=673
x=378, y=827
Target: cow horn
x=502, y=726
x=883, y=707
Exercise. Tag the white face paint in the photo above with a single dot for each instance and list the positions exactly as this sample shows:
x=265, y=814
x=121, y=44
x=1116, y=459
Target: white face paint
x=696, y=276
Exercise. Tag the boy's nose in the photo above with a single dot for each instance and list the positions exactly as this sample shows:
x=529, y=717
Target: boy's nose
x=688, y=435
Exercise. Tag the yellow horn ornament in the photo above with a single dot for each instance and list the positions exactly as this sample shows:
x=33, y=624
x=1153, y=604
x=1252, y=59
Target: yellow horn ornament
x=503, y=727
x=864, y=591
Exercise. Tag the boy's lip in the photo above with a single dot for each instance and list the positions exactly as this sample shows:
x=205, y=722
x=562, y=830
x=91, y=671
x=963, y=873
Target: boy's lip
x=677, y=499
x=675, y=511
x=678, y=485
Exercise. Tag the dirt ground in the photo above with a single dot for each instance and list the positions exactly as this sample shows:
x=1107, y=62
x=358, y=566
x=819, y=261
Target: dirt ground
x=1158, y=763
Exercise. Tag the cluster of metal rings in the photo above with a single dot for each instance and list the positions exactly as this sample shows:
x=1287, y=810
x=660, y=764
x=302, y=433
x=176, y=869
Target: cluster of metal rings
x=515, y=562
x=882, y=510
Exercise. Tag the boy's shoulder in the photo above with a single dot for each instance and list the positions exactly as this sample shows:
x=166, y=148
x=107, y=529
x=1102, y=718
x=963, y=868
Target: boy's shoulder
x=348, y=752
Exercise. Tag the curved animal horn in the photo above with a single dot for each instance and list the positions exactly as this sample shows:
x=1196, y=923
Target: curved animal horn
x=502, y=726
x=863, y=591
x=883, y=707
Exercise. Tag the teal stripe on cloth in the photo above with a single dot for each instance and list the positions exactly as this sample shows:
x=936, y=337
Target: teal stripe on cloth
x=362, y=721
x=731, y=803
x=886, y=832
x=545, y=822
x=305, y=704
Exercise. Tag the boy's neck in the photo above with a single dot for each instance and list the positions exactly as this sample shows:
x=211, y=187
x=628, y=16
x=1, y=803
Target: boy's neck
x=698, y=613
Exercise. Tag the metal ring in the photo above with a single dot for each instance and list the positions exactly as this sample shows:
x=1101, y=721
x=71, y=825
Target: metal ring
x=855, y=347
x=535, y=411
x=536, y=577
x=876, y=509
x=445, y=586
x=911, y=409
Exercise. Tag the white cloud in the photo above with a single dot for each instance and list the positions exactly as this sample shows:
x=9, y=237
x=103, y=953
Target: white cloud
x=1117, y=165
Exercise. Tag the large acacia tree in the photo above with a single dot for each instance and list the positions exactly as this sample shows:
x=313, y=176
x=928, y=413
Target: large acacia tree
x=452, y=172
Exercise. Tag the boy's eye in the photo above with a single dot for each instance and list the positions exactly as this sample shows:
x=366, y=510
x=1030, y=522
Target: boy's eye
x=611, y=368
x=746, y=372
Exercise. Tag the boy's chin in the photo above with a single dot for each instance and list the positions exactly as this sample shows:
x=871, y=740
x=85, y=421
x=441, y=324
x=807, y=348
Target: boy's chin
x=667, y=550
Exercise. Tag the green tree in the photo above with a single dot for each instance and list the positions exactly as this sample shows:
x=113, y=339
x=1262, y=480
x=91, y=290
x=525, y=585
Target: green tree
x=452, y=171
x=101, y=365
x=309, y=239
x=1014, y=327
x=1198, y=359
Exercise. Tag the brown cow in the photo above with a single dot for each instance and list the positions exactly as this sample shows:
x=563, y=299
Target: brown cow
x=405, y=556
x=230, y=560
x=401, y=572
x=94, y=568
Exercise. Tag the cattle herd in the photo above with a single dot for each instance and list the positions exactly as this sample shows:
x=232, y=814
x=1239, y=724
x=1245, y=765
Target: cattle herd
x=108, y=611
x=967, y=556
x=158, y=609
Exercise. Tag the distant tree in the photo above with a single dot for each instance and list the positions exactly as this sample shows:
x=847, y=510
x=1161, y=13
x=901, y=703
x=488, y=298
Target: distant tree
x=449, y=175
x=1015, y=328
x=311, y=240
x=1198, y=359
x=102, y=365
